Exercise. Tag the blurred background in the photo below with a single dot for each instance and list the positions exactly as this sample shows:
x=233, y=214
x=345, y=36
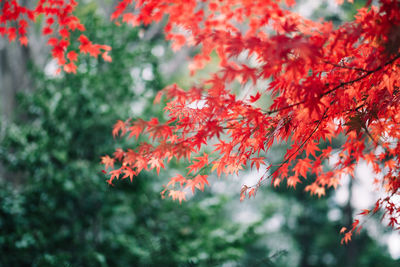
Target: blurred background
x=56, y=208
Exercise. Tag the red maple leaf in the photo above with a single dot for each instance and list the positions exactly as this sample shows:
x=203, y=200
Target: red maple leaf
x=108, y=162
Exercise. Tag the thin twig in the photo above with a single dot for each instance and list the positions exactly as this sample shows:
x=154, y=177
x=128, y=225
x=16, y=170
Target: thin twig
x=294, y=153
x=368, y=73
x=344, y=67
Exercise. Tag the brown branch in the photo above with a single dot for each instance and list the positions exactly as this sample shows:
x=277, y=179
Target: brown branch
x=362, y=76
x=291, y=155
x=342, y=84
x=344, y=67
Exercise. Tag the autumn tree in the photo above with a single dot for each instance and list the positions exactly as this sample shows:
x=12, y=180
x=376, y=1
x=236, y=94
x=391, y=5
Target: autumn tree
x=54, y=208
x=324, y=82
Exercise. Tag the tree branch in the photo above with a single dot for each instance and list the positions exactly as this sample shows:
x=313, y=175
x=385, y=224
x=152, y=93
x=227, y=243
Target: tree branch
x=368, y=73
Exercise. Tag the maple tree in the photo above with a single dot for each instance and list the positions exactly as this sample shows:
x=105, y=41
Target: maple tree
x=325, y=82
x=59, y=23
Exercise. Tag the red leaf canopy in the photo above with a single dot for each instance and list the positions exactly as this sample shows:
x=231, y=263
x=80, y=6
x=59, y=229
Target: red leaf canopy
x=325, y=82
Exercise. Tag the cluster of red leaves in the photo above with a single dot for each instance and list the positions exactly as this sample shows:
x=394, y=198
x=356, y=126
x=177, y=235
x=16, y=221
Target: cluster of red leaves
x=59, y=23
x=324, y=82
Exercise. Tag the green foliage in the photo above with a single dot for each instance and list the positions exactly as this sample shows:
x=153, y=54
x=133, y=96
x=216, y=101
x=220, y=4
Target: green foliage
x=57, y=210
x=55, y=206
x=315, y=235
